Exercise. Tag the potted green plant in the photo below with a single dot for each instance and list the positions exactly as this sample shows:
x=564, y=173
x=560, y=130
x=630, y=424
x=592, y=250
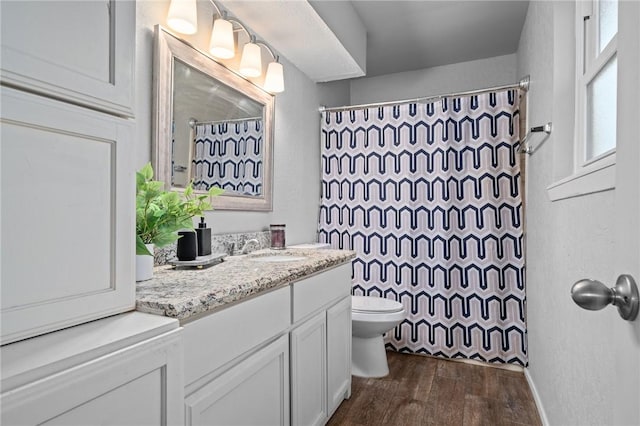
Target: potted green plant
x=161, y=214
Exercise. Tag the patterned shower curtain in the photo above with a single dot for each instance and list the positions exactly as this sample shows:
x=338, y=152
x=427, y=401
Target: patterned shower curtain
x=229, y=155
x=428, y=195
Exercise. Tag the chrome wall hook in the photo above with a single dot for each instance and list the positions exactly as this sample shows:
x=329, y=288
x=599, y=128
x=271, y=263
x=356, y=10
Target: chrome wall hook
x=526, y=146
x=594, y=295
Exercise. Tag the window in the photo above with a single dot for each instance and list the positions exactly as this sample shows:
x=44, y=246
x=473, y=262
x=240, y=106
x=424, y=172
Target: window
x=596, y=89
x=596, y=71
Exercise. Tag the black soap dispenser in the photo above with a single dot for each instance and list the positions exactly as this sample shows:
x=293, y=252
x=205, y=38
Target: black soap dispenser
x=204, y=238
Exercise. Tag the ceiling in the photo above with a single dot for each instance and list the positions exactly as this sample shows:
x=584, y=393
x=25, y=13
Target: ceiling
x=339, y=39
x=411, y=35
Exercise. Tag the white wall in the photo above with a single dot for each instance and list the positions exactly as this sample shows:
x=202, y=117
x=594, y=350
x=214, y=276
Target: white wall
x=572, y=352
x=464, y=76
x=296, y=153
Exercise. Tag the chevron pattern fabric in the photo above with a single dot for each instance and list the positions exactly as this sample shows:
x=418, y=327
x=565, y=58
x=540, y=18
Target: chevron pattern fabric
x=428, y=195
x=229, y=156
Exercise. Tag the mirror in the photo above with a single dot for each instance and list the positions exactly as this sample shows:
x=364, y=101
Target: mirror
x=211, y=127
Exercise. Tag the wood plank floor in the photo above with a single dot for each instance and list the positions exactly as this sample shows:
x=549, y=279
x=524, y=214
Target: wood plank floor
x=428, y=391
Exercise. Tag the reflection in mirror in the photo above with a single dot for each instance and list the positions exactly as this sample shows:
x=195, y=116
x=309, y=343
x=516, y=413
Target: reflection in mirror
x=228, y=154
x=217, y=135
x=212, y=127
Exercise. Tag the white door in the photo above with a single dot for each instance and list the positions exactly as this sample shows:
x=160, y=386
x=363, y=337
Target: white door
x=627, y=334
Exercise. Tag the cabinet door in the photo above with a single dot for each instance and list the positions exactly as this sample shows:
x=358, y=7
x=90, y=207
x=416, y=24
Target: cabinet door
x=78, y=51
x=309, y=372
x=138, y=385
x=339, y=352
x=254, y=392
x=67, y=186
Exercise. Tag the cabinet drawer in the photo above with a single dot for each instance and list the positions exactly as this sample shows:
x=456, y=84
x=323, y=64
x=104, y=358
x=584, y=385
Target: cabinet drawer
x=311, y=294
x=216, y=339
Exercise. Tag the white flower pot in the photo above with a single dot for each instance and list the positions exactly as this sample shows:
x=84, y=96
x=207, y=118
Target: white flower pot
x=144, y=265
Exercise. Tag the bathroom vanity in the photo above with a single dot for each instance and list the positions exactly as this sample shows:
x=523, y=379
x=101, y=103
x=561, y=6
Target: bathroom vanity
x=266, y=340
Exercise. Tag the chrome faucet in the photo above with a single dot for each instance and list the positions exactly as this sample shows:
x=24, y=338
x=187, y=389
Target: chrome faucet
x=248, y=244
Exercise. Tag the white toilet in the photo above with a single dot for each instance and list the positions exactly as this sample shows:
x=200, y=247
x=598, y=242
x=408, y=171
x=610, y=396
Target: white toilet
x=371, y=317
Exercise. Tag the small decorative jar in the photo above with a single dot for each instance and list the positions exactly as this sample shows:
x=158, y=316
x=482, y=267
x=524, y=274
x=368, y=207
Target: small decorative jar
x=277, y=237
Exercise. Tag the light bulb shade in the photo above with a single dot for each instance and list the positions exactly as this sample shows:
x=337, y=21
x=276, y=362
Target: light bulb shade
x=251, y=62
x=274, y=81
x=222, y=44
x=183, y=16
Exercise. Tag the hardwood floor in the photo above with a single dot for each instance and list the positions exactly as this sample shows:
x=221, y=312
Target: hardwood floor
x=428, y=391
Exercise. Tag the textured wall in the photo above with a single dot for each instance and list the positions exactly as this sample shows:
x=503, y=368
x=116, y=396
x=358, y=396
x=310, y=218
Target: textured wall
x=435, y=81
x=571, y=351
x=296, y=142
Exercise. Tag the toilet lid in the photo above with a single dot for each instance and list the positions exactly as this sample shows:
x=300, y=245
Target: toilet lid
x=374, y=304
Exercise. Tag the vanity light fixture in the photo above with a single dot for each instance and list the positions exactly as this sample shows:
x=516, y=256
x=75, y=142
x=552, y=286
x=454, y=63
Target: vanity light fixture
x=183, y=19
x=183, y=16
x=222, y=44
x=274, y=80
x=251, y=62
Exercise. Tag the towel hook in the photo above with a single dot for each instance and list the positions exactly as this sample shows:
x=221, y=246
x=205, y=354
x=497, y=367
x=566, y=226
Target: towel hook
x=528, y=149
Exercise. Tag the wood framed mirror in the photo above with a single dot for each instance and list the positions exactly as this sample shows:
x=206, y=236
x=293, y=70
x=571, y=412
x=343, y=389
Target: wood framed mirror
x=210, y=127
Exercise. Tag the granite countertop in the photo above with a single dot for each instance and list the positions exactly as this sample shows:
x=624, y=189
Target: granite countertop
x=187, y=293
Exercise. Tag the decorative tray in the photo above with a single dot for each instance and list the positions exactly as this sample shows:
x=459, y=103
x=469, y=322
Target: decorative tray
x=200, y=262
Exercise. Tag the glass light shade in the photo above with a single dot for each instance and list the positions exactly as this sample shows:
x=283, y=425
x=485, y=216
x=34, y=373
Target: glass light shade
x=274, y=81
x=183, y=16
x=222, y=44
x=251, y=62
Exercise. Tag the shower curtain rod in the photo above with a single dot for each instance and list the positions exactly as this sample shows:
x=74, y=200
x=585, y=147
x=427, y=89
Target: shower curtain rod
x=523, y=84
x=193, y=122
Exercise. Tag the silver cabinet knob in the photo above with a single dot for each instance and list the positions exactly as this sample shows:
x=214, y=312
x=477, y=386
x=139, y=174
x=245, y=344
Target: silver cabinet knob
x=593, y=295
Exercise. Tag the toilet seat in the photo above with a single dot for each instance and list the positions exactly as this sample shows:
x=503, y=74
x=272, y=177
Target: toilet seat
x=372, y=304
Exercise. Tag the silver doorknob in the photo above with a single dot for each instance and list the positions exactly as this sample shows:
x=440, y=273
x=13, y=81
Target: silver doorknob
x=593, y=295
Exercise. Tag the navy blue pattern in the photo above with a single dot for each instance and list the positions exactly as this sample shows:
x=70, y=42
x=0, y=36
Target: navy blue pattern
x=229, y=156
x=429, y=197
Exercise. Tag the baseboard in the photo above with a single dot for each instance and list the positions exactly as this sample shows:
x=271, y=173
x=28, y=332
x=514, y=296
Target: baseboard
x=536, y=398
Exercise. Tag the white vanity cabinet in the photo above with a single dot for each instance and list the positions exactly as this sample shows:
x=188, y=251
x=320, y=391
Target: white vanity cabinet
x=67, y=215
x=253, y=392
x=282, y=357
x=122, y=370
x=320, y=345
x=237, y=363
x=309, y=372
x=339, y=352
x=67, y=172
x=78, y=52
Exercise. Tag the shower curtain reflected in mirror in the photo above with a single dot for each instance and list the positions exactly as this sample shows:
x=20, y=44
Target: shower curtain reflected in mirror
x=229, y=155
x=428, y=195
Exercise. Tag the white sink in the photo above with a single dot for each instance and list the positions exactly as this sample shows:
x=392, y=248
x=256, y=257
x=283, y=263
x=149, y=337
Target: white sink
x=277, y=258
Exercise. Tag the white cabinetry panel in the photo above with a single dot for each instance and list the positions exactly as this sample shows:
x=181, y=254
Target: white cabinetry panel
x=254, y=392
x=138, y=402
x=139, y=384
x=67, y=200
x=223, y=336
x=309, y=372
x=82, y=52
x=339, y=353
x=319, y=290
